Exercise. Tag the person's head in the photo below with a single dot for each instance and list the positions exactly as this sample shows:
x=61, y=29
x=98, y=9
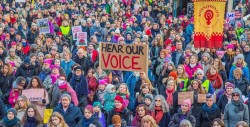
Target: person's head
x=196, y=84
x=193, y=59
x=55, y=70
x=81, y=53
x=123, y=89
x=148, y=98
x=242, y=124
x=88, y=112
x=35, y=82
x=148, y=121
x=159, y=101
x=171, y=85
x=186, y=106
x=209, y=100
x=205, y=56
x=172, y=75
x=32, y=112
x=229, y=88
x=199, y=74
x=246, y=48
x=7, y=69
x=236, y=95
x=116, y=121
x=141, y=110
x=65, y=100
x=239, y=59
x=237, y=73
x=22, y=102
x=185, y=123
x=218, y=123
x=163, y=53
x=118, y=102
x=78, y=71
x=97, y=106
x=213, y=70
x=12, y=52
x=143, y=75
x=56, y=119
x=11, y=113
x=67, y=54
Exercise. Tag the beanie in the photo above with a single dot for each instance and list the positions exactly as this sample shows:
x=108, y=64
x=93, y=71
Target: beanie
x=119, y=98
x=90, y=108
x=149, y=96
x=148, y=32
x=173, y=74
x=200, y=72
x=240, y=56
x=13, y=111
x=54, y=67
x=47, y=61
x=206, y=54
x=220, y=53
x=230, y=46
x=188, y=102
x=230, y=85
x=66, y=95
x=103, y=82
x=98, y=104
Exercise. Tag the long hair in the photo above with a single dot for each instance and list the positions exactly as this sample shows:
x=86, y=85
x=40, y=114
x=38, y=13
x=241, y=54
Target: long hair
x=150, y=119
x=201, y=90
x=37, y=116
x=40, y=84
x=219, y=121
x=183, y=75
x=59, y=116
x=26, y=102
x=144, y=107
x=165, y=106
x=10, y=70
x=220, y=65
x=127, y=91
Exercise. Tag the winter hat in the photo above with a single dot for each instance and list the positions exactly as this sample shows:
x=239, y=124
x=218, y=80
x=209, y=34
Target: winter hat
x=169, y=47
x=97, y=103
x=90, y=108
x=168, y=41
x=173, y=74
x=188, y=48
x=149, y=96
x=62, y=84
x=26, y=60
x=200, y=72
x=240, y=56
x=54, y=67
x=206, y=54
x=148, y=32
x=220, y=53
x=120, y=38
x=109, y=88
x=13, y=43
x=230, y=85
x=13, y=111
x=11, y=50
x=40, y=54
x=47, y=61
x=119, y=98
x=230, y=46
x=66, y=95
x=78, y=68
x=117, y=31
x=139, y=32
x=188, y=102
x=103, y=82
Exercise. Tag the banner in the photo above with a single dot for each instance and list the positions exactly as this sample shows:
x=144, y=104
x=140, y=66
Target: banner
x=124, y=57
x=34, y=94
x=208, y=23
x=182, y=96
x=75, y=30
x=20, y=0
x=47, y=114
x=82, y=39
x=43, y=25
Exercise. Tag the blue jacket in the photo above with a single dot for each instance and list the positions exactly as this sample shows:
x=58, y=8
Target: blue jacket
x=67, y=66
x=72, y=115
x=131, y=81
x=245, y=72
x=189, y=32
x=80, y=86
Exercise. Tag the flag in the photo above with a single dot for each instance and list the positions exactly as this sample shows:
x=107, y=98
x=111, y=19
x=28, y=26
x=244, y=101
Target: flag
x=237, y=14
x=208, y=23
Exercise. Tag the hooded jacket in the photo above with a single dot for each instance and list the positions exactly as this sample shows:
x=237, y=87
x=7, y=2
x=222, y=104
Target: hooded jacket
x=175, y=120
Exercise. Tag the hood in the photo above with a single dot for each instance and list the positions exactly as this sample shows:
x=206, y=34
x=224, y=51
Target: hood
x=236, y=90
x=109, y=88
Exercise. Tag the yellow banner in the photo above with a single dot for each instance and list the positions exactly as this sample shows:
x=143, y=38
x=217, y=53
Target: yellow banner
x=208, y=22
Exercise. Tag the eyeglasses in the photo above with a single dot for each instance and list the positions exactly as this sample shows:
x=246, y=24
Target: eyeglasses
x=199, y=74
x=157, y=100
x=236, y=95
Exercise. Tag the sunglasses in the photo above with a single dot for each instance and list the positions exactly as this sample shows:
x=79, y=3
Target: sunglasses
x=237, y=95
x=157, y=100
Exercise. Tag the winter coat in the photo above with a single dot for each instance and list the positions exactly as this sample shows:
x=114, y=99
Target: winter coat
x=5, y=86
x=16, y=60
x=83, y=62
x=176, y=60
x=81, y=88
x=247, y=58
x=101, y=119
x=26, y=71
x=191, y=71
x=223, y=75
x=131, y=83
x=55, y=95
x=208, y=86
x=206, y=65
x=245, y=72
x=242, y=84
x=93, y=121
x=43, y=74
x=67, y=66
x=205, y=118
x=72, y=115
x=109, y=101
x=223, y=101
x=31, y=36
x=3, y=124
x=196, y=107
x=176, y=119
x=2, y=109
x=124, y=114
x=13, y=99
x=174, y=108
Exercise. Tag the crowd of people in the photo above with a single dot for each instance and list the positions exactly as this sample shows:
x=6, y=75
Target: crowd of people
x=82, y=94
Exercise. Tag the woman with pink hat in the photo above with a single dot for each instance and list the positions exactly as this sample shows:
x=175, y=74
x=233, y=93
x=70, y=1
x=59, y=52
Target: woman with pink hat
x=51, y=79
x=45, y=69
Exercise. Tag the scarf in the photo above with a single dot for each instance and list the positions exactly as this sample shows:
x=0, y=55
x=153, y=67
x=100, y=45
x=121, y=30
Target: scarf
x=182, y=115
x=230, y=54
x=210, y=110
x=238, y=106
x=157, y=114
x=31, y=122
x=169, y=98
x=120, y=109
x=239, y=65
x=10, y=123
x=86, y=122
x=54, y=78
x=215, y=79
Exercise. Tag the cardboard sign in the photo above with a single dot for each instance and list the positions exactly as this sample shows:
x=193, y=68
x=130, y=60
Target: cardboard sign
x=43, y=25
x=34, y=94
x=202, y=98
x=124, y=57
x=20, y=1
x=75, y=30
x=47, y=114
x=82, y=39
x=230, y=16
x=185, y=95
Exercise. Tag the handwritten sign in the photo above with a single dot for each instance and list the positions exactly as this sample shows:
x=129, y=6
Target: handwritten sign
x=202, y=98
x=124, y=57
x=82, y=39
x=20, y=1
x=47, y=114
x=185, y=95
x=75, y=30
x=34, y=94
x=230, y=16
x=43, y=25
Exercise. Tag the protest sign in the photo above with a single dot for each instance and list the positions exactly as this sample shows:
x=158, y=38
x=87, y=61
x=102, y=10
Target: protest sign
x=124, y=57
x=190, y=9
x=43, y=25
x=230, y=16
x=20, y=1
x=185, y=95
x=75, y=30
x=82, y=39
x=201, y=98
x=34, y=94
x=47, y=114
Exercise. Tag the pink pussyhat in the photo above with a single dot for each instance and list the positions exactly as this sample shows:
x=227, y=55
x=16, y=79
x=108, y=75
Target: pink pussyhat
x=54, y=66
x=220, y=53
x=103, y=82
x=47, y=61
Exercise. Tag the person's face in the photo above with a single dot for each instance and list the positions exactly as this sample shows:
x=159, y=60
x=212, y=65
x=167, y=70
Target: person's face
x=170, y=67
x=212, y=71
x=80, y=54
x=12, y=53
x=246, y=48
x=158, y=102
x=118, y=104
x=216, y=124
x=142, y=74
x=21, y=103
x=1, y=51
x=192, y=60
x=55, y=71
x=31, y=112
x=78, y=72
x=101, y=87
x=34, y=83
x=147, y=101
x=5, y=69
x=170, y=86
x=33, y=59
x=141, y=111
x=145, y=90
x=55, y=120
x=90, y=47
x=229, y=90
x=239, y=60
x=123, y=89
x=184, y=107
x=179, y=46
x=87, y=113
x=179, y=70
x=205, y=58
x=10, y=115
x=216, y=61
x=236, y=96
x=237, y=75
x=209, y=102
x=146, y=124
x=96, y=109
x=65, y=102
x=195, y=85
x=200, y=76
x=57, y=62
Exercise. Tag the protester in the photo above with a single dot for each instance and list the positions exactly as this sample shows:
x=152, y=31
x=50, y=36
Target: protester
x=97, y=107
x=10, y=120
x=218, y=123
x=21, y=105
x=141, y=111
x=148, y=121
x=32, y=118
x=56, y=120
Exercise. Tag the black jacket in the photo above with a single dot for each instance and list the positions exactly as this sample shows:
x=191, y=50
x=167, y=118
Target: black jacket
x=124, y=114
x=206, y=119
x=175, y=106
x=26, y=71
x=222, y=102
x=176, y=119
x=84, y=63
x=6, y=86
x=242, y=85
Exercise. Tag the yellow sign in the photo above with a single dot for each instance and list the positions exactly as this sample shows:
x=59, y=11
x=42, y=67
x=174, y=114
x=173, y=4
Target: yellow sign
x=47, y=114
